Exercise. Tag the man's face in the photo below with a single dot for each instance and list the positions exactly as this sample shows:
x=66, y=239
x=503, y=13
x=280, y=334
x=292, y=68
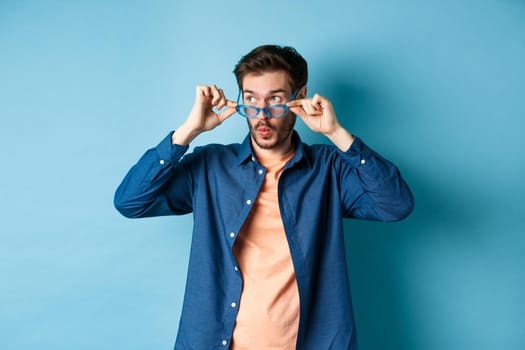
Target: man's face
x=262, y=90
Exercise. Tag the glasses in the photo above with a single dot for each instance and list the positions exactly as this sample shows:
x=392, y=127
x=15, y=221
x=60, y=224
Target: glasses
x=271, y=111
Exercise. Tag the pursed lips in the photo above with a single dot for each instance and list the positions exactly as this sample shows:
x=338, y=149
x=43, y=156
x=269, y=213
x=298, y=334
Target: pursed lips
x=261, y=126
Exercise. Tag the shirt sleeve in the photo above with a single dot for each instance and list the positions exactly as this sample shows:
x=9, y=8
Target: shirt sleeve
x=141, y=193
x=372, y=187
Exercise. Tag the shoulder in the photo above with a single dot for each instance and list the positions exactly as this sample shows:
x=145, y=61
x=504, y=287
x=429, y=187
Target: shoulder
x=320, y=153
x=214, y=151
x=214, y=148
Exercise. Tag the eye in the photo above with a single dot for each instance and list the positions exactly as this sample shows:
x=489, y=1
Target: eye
x=250, y=99
x=276, y=99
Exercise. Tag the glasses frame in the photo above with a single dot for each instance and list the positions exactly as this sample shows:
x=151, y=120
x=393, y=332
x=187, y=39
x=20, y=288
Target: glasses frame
x=265, y=110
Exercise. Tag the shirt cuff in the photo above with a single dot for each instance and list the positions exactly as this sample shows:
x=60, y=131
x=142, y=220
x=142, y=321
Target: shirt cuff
x=168, y=152
x=358, y=153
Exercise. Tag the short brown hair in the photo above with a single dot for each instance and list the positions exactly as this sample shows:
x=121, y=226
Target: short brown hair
x=268, y=58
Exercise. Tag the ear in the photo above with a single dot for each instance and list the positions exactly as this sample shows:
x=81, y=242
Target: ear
x=302, y=93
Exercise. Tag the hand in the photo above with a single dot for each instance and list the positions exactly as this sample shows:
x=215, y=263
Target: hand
x=208, y=100
x=209, y=110
x=318, y=114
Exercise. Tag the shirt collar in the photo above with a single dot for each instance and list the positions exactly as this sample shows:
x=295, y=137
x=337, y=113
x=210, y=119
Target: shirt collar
x=246, y=152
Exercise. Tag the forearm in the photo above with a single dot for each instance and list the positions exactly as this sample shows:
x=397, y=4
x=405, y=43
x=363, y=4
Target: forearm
x=341, y=138
x=140, y=192
x=374, y=188
x=184, y=135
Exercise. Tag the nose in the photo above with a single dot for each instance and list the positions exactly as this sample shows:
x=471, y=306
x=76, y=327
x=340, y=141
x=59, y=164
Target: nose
x=261, y=116
x=263, y=104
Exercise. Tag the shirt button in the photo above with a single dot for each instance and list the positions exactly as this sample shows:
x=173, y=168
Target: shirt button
x=232, y=234
x=253, y=159
x=162, y=161
x=260, y=172
x=234, y=305
x=248, y=202
x=224, y=342
x=236, y=268
x=363, y=161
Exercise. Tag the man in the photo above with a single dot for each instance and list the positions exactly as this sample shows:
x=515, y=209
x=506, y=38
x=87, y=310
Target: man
x=267, y=266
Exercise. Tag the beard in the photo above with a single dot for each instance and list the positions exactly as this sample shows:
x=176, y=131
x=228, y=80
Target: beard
x=277, y=135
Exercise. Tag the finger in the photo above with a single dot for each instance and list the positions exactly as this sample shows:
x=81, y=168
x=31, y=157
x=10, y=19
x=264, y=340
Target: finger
x=219, y=108
x=323, y=102
x=203, y=94
x=298, y=110
x=311, y=108
x=305, y=104
x=295, y=103
x=216, y=95
x=316, y=101
x=226, y=113
x=231, y=103
x=298, y=106
x=222, y=102
x=203, y=90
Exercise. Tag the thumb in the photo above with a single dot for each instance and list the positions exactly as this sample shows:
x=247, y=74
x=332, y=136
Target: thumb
x=228, y=111
x=298, y=110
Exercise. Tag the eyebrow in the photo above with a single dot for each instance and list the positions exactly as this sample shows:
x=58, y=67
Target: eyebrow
x=272, y=92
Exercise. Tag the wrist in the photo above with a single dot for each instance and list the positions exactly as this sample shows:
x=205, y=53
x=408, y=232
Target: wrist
x=341, y=138
x=183, y=135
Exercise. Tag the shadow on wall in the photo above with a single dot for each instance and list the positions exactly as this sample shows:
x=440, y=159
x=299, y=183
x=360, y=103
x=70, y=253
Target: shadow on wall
x=384, y=259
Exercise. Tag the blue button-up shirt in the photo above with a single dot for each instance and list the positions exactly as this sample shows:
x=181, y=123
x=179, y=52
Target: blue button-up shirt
x=318, y=187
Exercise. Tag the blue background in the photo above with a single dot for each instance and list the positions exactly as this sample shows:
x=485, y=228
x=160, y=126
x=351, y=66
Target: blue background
x=87, y=86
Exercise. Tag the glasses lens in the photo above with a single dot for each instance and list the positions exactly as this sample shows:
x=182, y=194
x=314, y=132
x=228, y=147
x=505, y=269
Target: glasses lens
x=277, y=111
x=248, y=111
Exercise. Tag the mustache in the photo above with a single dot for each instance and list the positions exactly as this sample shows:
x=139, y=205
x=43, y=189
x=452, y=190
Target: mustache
x=262, y=123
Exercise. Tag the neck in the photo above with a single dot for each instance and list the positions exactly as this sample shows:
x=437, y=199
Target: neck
x=278, y=151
